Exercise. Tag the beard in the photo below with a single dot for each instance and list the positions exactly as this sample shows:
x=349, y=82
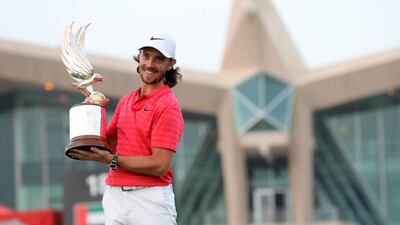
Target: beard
x=152, y=81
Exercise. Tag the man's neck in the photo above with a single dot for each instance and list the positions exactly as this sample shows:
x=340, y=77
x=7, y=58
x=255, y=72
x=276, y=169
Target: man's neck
x=147, y=88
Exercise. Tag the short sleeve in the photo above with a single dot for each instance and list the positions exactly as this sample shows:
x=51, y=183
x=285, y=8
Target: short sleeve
x=167, y=129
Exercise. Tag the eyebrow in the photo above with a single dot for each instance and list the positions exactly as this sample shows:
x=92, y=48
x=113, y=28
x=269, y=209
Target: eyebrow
x=160, y=57
x=157, y=55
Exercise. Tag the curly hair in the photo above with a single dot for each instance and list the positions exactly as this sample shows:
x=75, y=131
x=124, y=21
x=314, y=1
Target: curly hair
x=171, y=77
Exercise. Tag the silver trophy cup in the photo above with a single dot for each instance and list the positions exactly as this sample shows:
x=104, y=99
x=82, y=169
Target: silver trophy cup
x=87, y=121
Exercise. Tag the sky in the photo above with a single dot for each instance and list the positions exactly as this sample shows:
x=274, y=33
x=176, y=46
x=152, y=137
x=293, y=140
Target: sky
x=332, y=31
x=118, y=27
x=324, y=31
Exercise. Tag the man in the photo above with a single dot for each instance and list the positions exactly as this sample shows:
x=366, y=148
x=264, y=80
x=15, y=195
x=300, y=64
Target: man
x=144, y=132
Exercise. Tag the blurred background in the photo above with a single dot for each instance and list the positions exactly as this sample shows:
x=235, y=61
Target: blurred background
x=292, y=108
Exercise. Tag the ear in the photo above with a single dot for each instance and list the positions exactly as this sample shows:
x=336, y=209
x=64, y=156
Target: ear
x=171, y=64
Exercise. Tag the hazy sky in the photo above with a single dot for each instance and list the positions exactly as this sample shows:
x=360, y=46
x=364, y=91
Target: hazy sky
x=330, y=31
x=324, y=31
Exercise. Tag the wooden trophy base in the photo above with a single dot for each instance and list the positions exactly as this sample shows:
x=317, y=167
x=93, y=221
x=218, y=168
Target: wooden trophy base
x=85, y=143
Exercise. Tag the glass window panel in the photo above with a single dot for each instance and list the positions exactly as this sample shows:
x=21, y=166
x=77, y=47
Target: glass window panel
x=282, y=112
x=57, y=132
x=254, y=95
x=368, y=126
x=267, y=179
x=31, y=134
x=250, y=89
x=392, y=124
x=32, y=197
x=393, y=184
x=343, y=130
x=198, y=176
x=262, y=125
x=272, y=88
x=242, y=113
x=193, y=139
x=7, y=168
x=375, y=139
x=392, y=131
x=369, y=142
x=55, y=196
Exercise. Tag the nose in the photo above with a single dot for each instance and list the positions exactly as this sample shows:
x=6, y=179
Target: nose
x=150, y=62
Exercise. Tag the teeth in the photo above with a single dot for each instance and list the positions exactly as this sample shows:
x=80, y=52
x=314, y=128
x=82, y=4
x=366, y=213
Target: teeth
x=148, y=71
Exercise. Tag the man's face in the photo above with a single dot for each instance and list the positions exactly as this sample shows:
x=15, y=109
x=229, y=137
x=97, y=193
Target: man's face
x=153, y=66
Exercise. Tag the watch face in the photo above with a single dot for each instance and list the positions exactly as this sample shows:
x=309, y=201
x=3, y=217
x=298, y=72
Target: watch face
x=114, y=162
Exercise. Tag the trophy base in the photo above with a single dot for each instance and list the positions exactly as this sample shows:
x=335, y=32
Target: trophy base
x=85, y=144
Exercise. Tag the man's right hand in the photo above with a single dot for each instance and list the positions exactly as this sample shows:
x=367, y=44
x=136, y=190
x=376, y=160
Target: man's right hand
x=90, y=100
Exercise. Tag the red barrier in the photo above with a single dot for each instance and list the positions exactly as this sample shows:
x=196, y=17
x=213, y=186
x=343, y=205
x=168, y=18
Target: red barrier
x=32, y=217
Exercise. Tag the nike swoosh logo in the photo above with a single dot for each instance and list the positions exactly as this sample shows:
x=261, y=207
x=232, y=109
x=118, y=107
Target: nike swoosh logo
x=155, y=38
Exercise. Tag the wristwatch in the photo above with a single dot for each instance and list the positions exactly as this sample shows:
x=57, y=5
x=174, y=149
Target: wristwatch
x=114, y=162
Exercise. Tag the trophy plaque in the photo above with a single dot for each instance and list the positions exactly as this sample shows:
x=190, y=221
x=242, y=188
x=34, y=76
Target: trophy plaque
x=87, y=121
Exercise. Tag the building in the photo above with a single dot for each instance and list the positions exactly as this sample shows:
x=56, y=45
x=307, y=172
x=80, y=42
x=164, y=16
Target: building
x=267, y=140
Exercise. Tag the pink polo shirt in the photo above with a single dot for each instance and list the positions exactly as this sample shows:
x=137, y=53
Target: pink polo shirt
x=141, y=123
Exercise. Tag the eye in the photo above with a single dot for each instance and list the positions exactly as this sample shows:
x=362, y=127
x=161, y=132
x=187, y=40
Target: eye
x=144, y=55
x=159, y=59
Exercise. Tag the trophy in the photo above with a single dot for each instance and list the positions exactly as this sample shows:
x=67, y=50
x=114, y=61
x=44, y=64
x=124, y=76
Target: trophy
x=87, y=121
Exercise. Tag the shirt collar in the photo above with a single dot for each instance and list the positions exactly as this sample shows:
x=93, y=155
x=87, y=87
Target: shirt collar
x=138, y=102
x=157, y=92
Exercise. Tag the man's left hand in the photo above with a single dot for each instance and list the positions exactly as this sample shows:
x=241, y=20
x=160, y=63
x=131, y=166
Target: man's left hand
x=94, y=154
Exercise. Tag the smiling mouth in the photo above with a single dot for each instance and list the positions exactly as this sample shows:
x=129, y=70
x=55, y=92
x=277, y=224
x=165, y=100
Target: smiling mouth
x=150, y=71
